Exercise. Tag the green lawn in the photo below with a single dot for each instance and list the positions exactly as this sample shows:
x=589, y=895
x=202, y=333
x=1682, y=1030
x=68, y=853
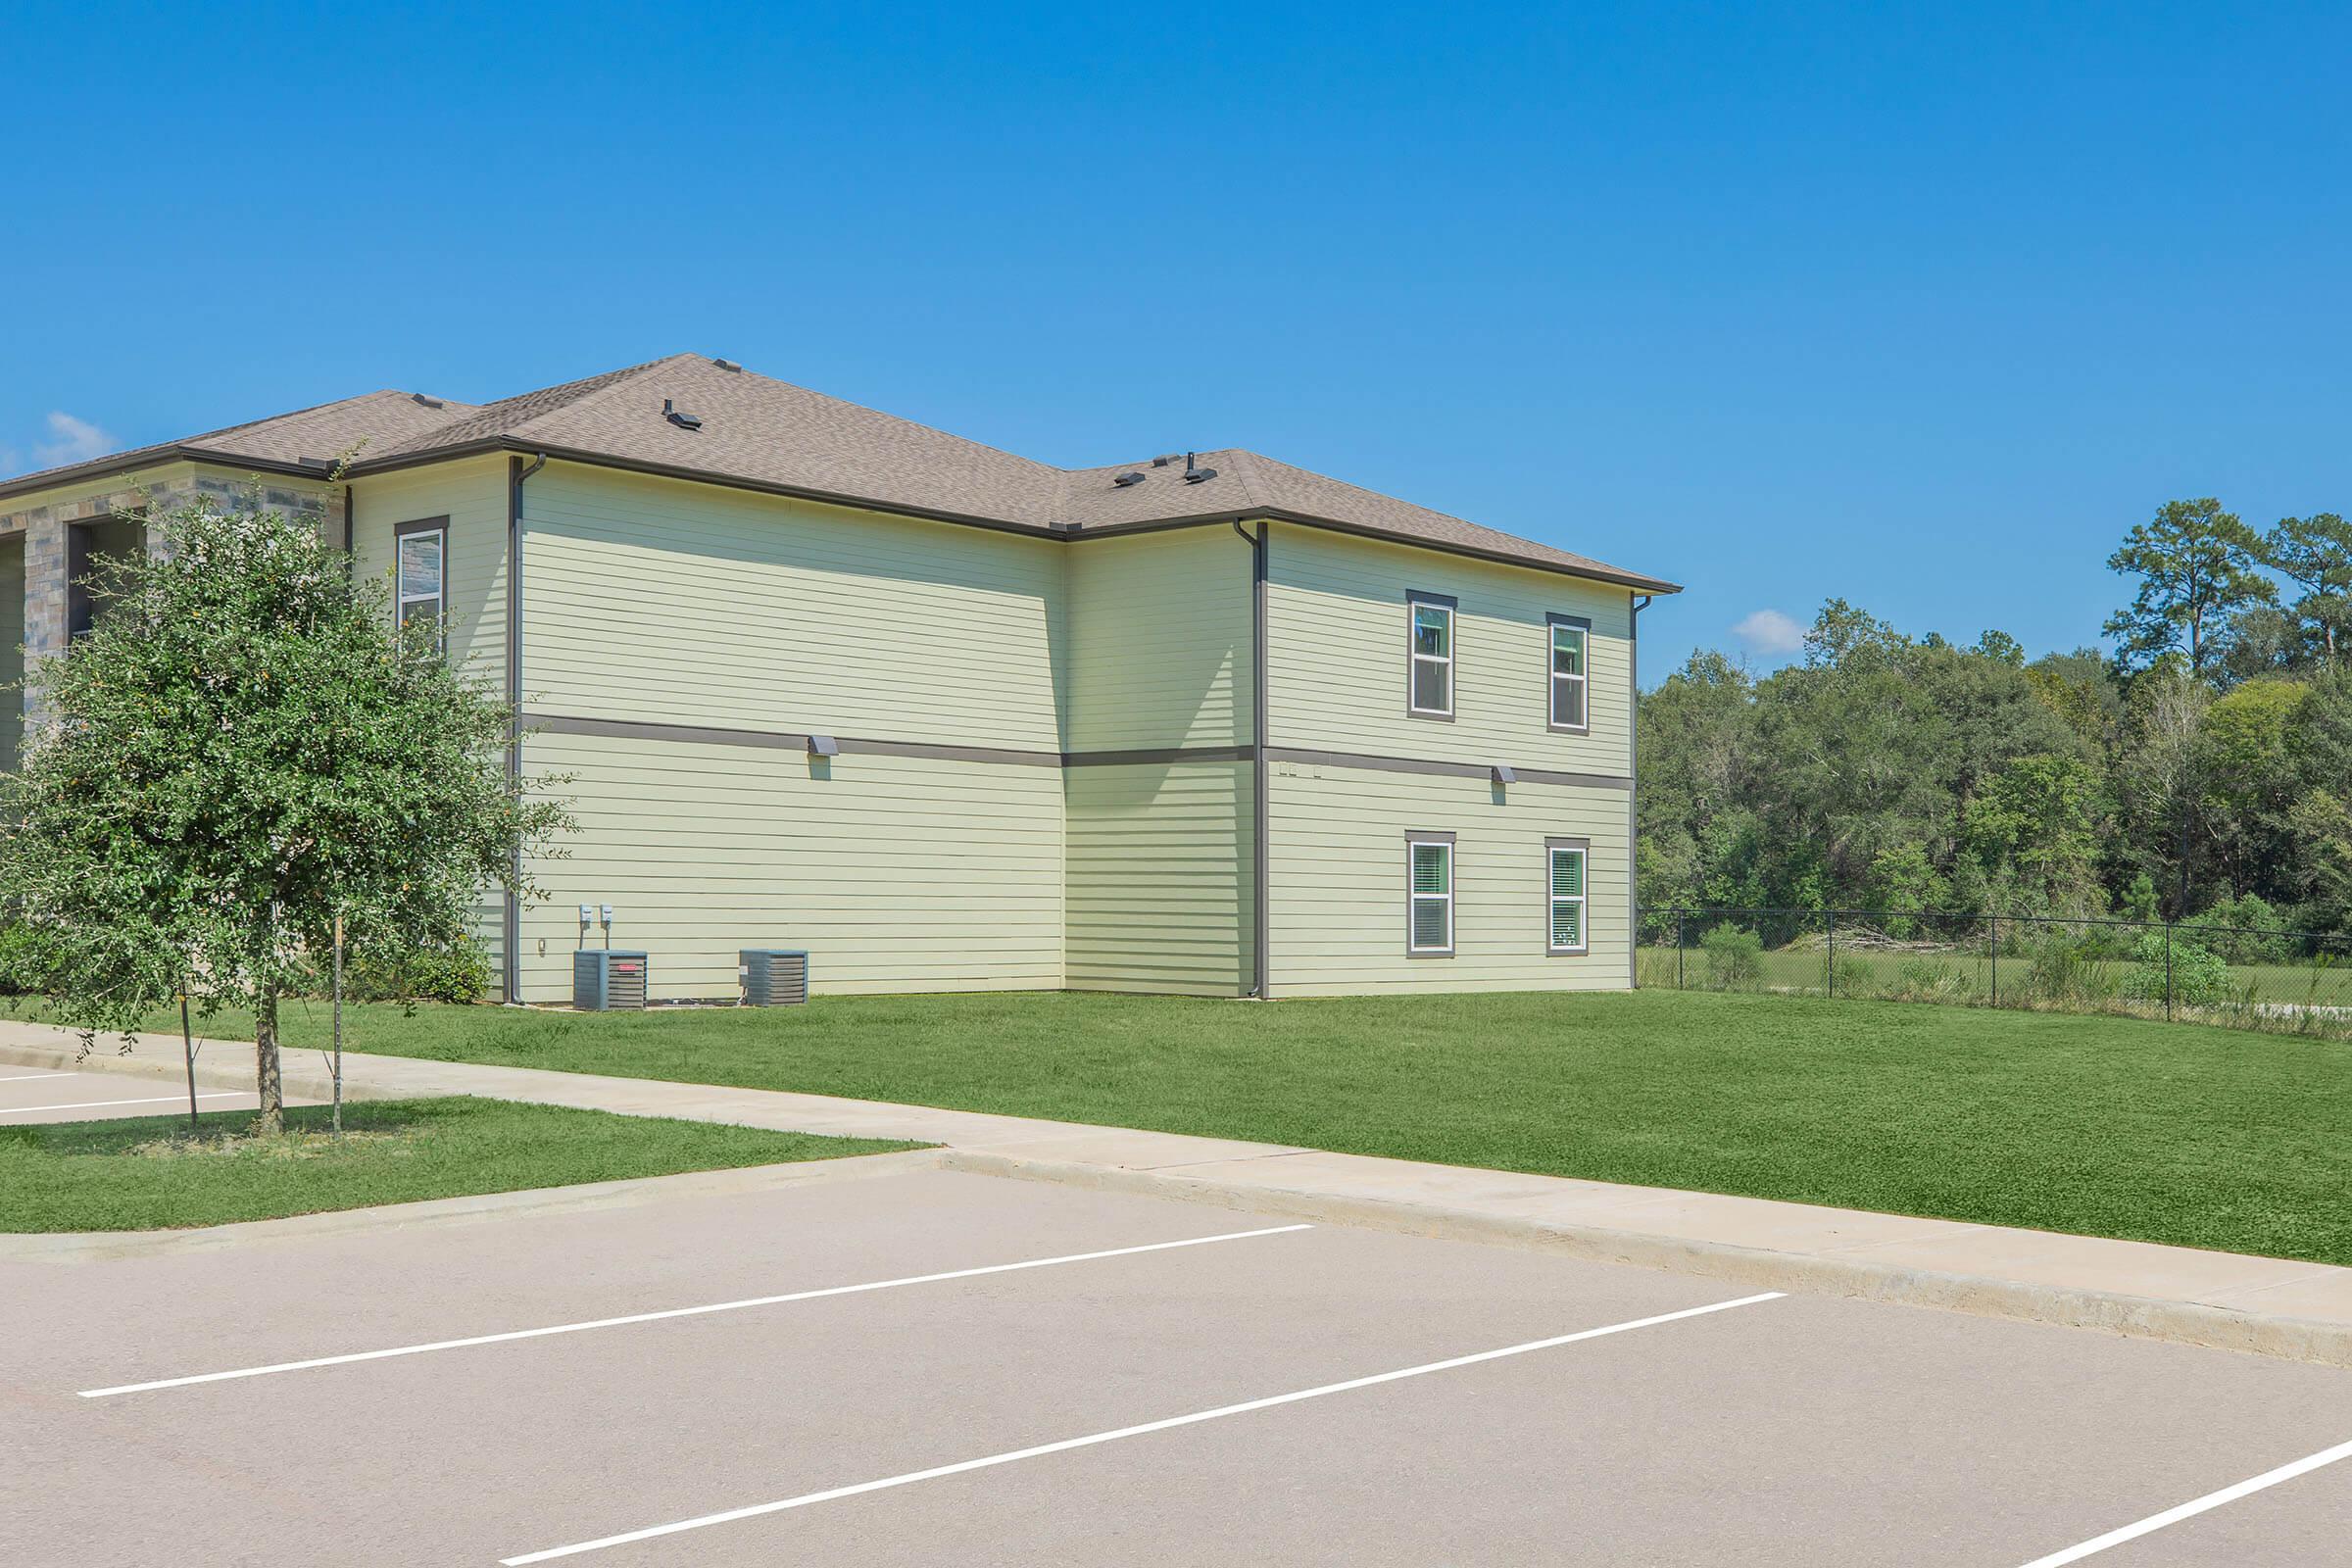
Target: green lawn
x=147, y=1173
x=2102, y=1125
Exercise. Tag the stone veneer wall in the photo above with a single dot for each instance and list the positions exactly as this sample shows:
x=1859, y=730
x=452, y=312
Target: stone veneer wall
x=44, y=529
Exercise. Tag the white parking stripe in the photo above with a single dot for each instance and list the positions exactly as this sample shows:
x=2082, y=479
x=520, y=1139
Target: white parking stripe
x=91, y=1105
x=1092, y=1438
x=2189, y=1510
x=27, y=1077
x=685, y=1311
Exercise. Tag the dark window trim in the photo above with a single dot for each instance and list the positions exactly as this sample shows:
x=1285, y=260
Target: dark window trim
x=1414, y=599
x=403, y=530
x=1583, y=623
x=1453, y=904
x=1585, y=925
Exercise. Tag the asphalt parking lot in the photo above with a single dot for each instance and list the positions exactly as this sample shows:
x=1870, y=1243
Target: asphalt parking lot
x=33, y=1095
x=852, y=1372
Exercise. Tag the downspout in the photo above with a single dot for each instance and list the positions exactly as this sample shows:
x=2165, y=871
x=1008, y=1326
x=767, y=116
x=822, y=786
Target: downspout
x=1633, y=792
x=1258, y=755
x=515, y=475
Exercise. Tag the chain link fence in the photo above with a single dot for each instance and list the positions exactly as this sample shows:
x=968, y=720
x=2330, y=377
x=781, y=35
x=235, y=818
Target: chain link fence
x=2293, y=982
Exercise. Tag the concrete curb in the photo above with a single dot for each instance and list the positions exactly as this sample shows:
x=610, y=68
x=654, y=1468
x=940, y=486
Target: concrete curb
x=2325, y=1341
x=72, y=1247
x=2181, y=1322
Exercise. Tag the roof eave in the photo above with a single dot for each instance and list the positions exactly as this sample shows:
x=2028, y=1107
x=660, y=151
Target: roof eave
x=1592, y=573
x=509, y=444
x=129, y=463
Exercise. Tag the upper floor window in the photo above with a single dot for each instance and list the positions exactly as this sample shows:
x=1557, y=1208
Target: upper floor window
x=421, y=579
x=1571, y=680
x=1431, y=694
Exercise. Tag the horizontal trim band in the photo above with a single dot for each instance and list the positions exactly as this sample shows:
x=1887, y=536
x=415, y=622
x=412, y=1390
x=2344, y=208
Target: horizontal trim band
x=791, y=741
x=1416, y=764
x=779, y=741
x=1158, y=754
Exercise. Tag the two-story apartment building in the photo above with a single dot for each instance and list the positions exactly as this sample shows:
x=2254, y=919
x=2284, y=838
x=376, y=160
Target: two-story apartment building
x=816, y=677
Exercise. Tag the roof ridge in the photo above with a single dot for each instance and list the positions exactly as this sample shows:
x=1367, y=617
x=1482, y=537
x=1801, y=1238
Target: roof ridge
x=499, y=417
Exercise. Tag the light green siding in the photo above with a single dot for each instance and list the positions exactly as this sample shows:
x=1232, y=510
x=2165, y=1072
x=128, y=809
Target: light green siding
x=471, y=493
x=895, y=874
x=657, y=601
x=1160, y=877
x=1337, y=637
x=1338, y=873
x=662, y=601
x=1161, y=638
x=1158, y=873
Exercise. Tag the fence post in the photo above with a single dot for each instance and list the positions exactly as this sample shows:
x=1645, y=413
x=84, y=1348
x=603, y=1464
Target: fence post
x=2167, y=971
x=1682, y=938
x=1992, y=944
x=1833, y=952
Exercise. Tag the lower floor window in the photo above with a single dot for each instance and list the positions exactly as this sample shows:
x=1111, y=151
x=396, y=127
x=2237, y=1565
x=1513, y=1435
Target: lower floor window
x=1429, y=895
x=1564, y=877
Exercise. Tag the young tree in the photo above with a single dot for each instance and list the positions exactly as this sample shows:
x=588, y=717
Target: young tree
x=2314, y=554
x=240, y=750
x=2196, y=567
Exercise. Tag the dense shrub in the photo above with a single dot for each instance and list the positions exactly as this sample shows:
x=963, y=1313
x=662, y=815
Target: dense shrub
x=21, y=965
x=460, y=972
x=2063, y=967
x=2199, y=975
x=1735, y=957
x=2257, y=933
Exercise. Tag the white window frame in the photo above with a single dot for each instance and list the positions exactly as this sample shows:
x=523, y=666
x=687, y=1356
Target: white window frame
x=1414, y=898
x=436, y=528
x=1446, y=605
x=1553, y=848
x=1583, y=628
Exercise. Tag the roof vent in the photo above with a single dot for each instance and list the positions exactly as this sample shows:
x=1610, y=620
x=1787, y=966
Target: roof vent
x=1131, y=476
x=679, y=417
x=1163, y=460
x=726, y=364
x=1194, y=473
x=422, y=401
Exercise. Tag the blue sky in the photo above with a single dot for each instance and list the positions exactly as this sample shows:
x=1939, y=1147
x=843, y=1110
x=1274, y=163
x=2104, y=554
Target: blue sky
x=1918, y=307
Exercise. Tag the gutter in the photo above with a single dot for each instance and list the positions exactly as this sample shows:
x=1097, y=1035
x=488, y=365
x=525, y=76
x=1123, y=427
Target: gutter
x=1596, y=573
x=1259, y=902
x=516, y=473
x=1633, y=792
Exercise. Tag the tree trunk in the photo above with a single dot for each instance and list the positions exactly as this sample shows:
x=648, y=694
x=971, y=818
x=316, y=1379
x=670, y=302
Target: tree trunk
x=265, y=1049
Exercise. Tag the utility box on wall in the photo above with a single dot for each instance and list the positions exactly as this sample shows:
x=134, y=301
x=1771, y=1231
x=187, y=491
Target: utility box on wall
x=606, y=981
x=773, y=977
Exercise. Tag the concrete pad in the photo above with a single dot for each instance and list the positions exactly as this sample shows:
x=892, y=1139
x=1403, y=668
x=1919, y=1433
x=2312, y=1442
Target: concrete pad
x=1138, y=1151
x=2082, y=1262
x=1750, y=1222
x=2318, y=1292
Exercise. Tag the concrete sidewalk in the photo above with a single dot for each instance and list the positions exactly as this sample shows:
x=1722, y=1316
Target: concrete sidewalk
x=2301, y=1311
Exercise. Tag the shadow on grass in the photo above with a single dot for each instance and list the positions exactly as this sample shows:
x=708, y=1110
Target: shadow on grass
x=308, y=1128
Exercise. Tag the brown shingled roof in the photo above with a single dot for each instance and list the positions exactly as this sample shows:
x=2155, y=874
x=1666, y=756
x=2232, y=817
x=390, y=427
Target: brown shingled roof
x=771, y=435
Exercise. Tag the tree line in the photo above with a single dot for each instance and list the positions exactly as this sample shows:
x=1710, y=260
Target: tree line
x=2202, y=769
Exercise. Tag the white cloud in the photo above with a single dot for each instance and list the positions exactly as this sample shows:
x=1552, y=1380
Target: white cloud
x=1768, y=631
x=71, y=440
